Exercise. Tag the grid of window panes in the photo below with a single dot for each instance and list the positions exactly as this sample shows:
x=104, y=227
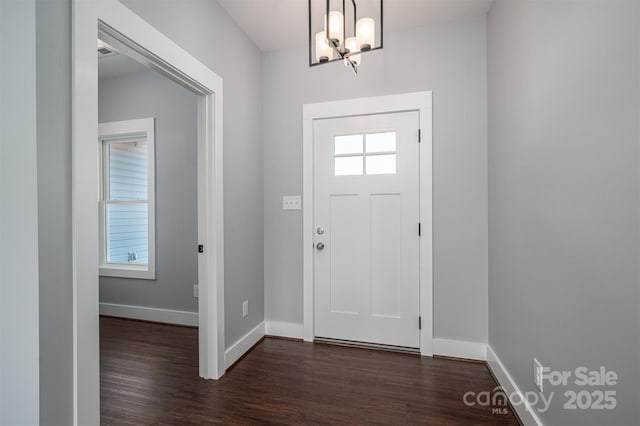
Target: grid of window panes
x=365, y=154
x=126, y=202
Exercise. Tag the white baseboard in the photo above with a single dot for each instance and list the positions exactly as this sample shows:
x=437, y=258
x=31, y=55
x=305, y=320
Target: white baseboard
x=241, y=347
x=284, y=329
x=144, y=313
x=527, y=415
x=460, y=349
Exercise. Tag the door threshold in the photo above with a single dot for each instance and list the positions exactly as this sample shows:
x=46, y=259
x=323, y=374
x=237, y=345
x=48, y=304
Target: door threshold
x=365, y=345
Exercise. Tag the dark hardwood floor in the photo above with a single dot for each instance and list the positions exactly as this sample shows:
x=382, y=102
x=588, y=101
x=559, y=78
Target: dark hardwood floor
x=149, y=375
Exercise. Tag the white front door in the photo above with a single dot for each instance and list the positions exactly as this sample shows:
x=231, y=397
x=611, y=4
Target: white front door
x=366, y=233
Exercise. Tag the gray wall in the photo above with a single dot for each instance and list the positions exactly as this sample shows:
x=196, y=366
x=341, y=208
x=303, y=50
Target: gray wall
x=450, y=60
x=35, y=315
x=19, y=340
x=206, y=31
x=53, y=38
x=563, y=194
x=147, y=94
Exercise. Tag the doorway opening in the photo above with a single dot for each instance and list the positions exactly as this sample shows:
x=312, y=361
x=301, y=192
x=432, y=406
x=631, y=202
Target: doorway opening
x=147, y=137
x=367, y=221
x=114, y=24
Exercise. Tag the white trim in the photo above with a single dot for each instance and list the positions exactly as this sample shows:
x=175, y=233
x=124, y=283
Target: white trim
x=144, y=313
x=114, y=131
x=460, y=349
x=243, y=345
x=417, y=101
x=126, y=271
x=134, y=37
x=84, y=214
x=284, y=329
x=525, y=412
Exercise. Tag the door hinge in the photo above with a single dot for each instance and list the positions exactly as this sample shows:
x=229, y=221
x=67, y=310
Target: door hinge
x=200, y=248
x=419, y=135
x=419, y=323
x=419, y=229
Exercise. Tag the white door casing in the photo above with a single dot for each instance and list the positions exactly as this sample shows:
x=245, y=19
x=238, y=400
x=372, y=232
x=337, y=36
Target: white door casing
x=366, y=210
x=417, y=101
x=134, y=37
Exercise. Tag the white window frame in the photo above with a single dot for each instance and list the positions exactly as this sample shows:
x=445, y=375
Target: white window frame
x=120, y=131
x=364, y=154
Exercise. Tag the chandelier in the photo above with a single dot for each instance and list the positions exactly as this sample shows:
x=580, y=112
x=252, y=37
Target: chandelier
x=342, y=30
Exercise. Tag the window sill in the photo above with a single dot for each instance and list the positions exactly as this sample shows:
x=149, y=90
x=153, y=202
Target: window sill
x=124, y=271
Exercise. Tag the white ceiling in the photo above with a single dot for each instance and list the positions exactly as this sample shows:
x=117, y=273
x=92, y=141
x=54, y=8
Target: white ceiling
x=280, y=24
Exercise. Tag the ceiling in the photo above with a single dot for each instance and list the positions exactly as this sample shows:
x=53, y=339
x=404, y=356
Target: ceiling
x=280, y=24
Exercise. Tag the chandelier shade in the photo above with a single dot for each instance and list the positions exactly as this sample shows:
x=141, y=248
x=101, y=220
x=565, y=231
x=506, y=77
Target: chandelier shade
x=342, y=30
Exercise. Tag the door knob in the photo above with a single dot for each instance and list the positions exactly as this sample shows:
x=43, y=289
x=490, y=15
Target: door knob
x=320, y=246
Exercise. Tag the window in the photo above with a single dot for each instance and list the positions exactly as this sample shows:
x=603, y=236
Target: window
x=127, y=206
x=370, y=154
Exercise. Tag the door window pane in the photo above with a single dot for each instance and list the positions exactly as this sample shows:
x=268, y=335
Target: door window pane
x=348, y=166
x=381, y=142
x=349, y=144
x=127, y=230
x=381, y=164
x=128, y=174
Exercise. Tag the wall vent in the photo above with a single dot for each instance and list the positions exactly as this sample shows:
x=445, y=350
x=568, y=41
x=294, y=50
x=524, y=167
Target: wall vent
x=104, y=50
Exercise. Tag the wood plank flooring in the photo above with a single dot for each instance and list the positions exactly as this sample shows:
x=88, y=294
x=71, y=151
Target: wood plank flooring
x=149, y=375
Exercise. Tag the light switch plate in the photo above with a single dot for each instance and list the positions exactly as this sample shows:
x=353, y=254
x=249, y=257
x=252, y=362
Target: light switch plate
x=291, y=202
x=245, y=308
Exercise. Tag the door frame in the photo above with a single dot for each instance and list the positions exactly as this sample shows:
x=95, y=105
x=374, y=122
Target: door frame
x=417, y=101
x=136, y=38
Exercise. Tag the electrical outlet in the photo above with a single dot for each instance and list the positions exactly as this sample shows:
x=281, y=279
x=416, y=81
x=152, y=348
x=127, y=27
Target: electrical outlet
x=291, y=202
x=195, y=291
x=245, y=308
x=538, y=374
